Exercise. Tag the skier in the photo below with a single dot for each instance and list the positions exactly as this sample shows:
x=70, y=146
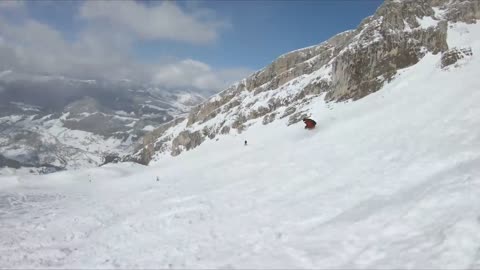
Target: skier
x=309, y=123
x=245, y=142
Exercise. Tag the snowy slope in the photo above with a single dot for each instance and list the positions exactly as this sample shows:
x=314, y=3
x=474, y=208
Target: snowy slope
x=388, y=181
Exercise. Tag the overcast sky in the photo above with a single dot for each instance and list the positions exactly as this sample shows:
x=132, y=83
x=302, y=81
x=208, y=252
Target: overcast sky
x=186, y=44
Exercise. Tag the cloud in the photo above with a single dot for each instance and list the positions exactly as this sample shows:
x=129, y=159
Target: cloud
x=165, y=21
x=9, y=5
x=103, y=46
x=33, y=47
x=194, y=74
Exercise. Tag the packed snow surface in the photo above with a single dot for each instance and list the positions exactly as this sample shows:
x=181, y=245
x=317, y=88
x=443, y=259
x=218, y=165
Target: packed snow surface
x=389, y=181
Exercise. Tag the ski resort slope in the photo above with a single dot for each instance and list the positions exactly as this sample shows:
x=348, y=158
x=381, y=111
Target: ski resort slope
x=388, y=181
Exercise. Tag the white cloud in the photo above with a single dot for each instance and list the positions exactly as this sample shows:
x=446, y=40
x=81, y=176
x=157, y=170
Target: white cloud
x=9, y=5
x=35, y=47
x=103, y=47
x=194, y=74
x=165, y=21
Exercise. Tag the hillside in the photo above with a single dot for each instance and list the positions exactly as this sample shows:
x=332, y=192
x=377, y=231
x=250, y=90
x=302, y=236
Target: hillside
x=347, y=67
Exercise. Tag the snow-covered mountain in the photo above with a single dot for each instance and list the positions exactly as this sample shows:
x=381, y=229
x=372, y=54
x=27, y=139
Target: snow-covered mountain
x=390, y=181
x=56, y=123
x=347, y=67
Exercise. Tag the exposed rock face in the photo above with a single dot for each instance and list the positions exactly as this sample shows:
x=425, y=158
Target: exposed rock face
x=348, y=66
x=146, y=150
x=452, y=56
x=225, y=130
x=267, y=119
x=186, y=140
x=297, y=117
x=356, y=72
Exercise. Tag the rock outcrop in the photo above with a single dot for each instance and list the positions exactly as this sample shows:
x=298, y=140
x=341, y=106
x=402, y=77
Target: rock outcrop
x=453, y=55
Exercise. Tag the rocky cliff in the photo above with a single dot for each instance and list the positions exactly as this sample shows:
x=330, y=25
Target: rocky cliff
x=348, y=66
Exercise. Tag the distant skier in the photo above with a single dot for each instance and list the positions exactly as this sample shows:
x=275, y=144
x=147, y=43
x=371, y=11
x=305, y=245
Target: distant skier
x=309, y=123
x=245, y=142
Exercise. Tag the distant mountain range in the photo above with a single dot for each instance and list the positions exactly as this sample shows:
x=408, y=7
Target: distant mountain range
x=71, y=123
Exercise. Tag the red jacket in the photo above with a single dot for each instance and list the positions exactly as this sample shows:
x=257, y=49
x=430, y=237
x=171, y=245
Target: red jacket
x=309, y=123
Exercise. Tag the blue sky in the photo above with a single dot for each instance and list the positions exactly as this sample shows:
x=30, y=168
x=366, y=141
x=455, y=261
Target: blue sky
x=198, y=44
x=263, y=30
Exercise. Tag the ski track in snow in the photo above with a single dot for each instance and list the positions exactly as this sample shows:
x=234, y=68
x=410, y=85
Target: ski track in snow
x=389, y=181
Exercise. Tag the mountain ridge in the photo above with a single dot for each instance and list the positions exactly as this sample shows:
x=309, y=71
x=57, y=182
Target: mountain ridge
x=87, y=121
x=346, y=67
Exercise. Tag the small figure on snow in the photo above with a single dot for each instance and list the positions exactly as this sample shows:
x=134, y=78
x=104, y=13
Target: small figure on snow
x=309, y=123
x=245, y=142
x=158, y=179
